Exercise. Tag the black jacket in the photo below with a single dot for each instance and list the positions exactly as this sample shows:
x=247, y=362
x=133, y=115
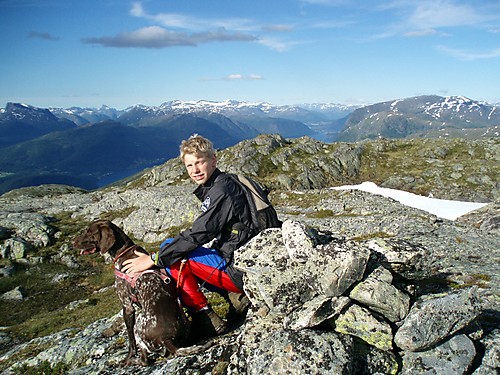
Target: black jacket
x=225, y=217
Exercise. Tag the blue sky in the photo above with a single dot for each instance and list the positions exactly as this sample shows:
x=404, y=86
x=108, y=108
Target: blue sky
x=62, y=53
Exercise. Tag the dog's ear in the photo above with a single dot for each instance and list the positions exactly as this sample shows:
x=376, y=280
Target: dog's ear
x=107, y=239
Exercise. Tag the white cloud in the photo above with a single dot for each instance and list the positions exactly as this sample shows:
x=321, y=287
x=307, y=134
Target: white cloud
x=278, y=45
x=444, y=13
x=423, y=32
x=430, y=17
x=238, y=77
x=470, y=55
x=277, y=28
x=186, y=22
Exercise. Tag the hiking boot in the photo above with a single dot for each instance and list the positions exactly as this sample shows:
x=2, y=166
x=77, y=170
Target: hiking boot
x=206, y=323
x=238, y=305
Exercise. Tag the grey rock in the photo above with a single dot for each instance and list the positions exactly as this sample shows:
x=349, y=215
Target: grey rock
x=378, y=293
x=33, y=227
x=299, y=242
x=490, y=363
x=6, y=271
x=273, y=279
x=407, y=259
x=371, y=360
x=15, y=294
x=486, y=219
x=294, y=352
x=314, y=312
x=15, y=248
x=335, y=246
x=434, y=319
x=454, y=356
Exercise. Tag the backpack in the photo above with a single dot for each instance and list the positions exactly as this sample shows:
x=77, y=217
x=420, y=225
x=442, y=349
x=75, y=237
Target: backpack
x=263, y=213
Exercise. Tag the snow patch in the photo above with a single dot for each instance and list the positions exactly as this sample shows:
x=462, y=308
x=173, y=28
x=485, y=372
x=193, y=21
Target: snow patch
x=446, y=209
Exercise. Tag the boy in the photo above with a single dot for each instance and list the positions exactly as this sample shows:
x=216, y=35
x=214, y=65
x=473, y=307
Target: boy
x=225, y=219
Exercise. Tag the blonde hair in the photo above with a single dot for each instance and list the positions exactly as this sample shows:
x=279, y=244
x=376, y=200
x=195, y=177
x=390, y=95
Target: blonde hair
x=198, y=146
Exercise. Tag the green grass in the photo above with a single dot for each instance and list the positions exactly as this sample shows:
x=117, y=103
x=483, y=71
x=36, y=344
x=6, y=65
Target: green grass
x=46, y=368
x=50, y=286
x=43, y=309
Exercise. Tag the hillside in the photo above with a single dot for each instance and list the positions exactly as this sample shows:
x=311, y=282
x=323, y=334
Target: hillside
x=444, y=168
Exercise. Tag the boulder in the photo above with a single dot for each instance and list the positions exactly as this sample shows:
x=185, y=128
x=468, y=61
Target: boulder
x=15, y=248
x=360, y=322
x=378, y=293
x=15, y=294
x=454, y=356
x=435, y=318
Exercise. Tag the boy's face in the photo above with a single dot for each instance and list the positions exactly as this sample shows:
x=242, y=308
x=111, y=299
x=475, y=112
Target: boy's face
x=200, y=168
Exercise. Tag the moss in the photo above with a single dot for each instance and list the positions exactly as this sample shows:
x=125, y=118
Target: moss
x=111, y=215
x=321, y=214
x=370, y=236
x=475, y=279
x=45, y=368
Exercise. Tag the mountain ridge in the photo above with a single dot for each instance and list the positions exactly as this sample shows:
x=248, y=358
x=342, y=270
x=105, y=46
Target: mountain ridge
x=147, y=135
x=422, y=116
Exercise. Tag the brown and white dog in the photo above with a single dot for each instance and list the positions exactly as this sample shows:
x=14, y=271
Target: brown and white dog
x=159, y=326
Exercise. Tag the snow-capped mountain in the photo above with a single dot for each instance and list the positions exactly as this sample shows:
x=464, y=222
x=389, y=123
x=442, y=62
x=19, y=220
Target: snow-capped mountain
x=82, y=116
x=229, y=108
x=21, y=122
x=423, y=116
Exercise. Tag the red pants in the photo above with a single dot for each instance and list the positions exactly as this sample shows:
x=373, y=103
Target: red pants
x=202, y=265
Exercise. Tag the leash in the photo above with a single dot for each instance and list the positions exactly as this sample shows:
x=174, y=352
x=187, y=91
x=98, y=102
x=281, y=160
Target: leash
x=183, y=263
x=211, y=274
x=118, y=256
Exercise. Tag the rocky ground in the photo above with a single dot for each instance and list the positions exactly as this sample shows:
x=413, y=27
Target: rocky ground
x=354, y=283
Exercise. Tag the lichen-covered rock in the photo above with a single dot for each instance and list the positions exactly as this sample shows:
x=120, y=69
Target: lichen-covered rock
x=433, y=319
x=274, y=279
x=454, y=356
x=371, y=360
x=315, y=312
x=15, y=248
x=15, y=294
x=377, y=292
x=296, y=352
x=410, y=260
x=490, y=363
x=358, y=321
x=298, y=241
x=32, y=227
x=298, y=278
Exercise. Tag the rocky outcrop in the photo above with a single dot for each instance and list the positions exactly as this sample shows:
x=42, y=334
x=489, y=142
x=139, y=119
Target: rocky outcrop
x=320, y=306
x=456, y=169
x=353, y=283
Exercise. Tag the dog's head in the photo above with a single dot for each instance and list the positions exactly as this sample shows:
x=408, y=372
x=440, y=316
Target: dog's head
x=99, y=236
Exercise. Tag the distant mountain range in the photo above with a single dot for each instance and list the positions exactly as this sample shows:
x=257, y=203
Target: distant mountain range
x=423, y=117
x=90, y=147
